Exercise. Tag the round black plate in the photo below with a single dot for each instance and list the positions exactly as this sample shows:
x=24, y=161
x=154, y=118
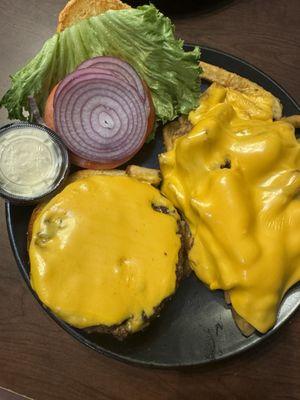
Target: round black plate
x=196, y=327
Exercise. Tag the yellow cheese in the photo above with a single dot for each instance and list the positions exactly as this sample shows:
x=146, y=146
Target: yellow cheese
x=100, y=254
x=236, y=177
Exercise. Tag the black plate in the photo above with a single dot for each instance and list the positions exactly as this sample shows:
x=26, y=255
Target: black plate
x=196, y=327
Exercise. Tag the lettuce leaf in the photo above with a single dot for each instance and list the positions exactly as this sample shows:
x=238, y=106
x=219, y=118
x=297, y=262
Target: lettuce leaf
x=143, y=37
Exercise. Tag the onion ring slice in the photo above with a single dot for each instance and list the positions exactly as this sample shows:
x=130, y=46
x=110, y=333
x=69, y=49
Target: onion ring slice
x=101, y=117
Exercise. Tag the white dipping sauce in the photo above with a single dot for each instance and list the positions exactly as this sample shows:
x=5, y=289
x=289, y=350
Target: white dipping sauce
x=30, y=162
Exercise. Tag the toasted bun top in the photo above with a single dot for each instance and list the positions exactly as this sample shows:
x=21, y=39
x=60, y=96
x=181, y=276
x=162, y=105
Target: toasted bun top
x=76, y=10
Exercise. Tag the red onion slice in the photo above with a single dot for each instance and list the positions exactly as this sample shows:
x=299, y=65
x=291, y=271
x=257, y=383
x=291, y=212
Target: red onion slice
x=101, y=117
x=119, y=68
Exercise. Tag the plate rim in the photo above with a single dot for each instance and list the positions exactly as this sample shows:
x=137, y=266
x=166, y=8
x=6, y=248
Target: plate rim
x=131, y=360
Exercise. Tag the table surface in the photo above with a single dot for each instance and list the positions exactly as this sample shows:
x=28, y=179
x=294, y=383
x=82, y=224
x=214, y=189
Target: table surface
x=39, y=359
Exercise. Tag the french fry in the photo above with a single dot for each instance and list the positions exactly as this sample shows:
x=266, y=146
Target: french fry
x=229, y=79
x=242, y=324
x=85, y=173
x=293, y=120
x=227, y=298
x=149, y=175
x=175, y=129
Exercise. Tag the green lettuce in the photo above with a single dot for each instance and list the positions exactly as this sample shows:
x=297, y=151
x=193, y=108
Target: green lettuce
x=143, y=37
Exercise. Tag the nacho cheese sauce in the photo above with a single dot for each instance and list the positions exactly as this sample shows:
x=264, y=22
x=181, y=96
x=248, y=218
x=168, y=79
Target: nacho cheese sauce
x=100, y=254
x=236, y=177
x=30, y=162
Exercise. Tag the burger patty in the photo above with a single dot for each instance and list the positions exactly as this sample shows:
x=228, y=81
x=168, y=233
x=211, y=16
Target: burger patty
x=122, y=330
x=183, y=270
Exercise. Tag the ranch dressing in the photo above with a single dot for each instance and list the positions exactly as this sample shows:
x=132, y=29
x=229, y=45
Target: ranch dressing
x=30, y=161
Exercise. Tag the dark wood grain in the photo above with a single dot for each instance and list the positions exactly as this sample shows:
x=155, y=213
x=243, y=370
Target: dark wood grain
x=40, y=360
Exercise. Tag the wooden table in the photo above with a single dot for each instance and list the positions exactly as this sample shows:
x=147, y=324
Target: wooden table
x=39, y=359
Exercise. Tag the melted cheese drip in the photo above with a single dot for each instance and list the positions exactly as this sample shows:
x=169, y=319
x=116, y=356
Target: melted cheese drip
x=100, y=254
x=236, y=177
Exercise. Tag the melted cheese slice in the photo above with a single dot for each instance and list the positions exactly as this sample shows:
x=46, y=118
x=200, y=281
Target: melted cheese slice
x=236, y=177
x=100, y=254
